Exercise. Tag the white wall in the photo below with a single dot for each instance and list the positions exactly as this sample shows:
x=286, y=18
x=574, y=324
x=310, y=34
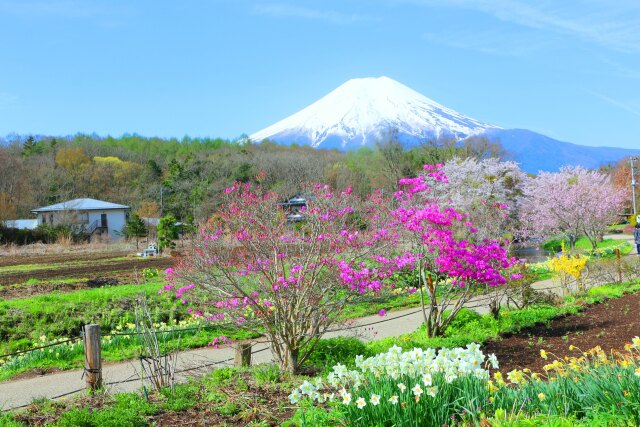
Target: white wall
x=116, y=220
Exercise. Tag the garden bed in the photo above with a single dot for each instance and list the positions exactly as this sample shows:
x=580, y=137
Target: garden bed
x=11, y=281
x=609, y=324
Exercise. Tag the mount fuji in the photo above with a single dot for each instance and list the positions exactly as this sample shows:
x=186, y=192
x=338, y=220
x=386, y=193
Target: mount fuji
x=362, y=111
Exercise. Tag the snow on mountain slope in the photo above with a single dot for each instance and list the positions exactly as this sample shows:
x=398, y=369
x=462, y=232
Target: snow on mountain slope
x=362, y=110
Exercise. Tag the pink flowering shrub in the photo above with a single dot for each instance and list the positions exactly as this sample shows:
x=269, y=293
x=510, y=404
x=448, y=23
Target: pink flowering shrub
x=452, y=261
x=288, y=281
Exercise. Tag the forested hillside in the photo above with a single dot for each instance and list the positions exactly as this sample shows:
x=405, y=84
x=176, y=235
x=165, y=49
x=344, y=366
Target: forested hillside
x=132, y=170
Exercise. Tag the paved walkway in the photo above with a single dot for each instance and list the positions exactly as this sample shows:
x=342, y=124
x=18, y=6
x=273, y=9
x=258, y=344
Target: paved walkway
x=126, y=374
x=22, y=392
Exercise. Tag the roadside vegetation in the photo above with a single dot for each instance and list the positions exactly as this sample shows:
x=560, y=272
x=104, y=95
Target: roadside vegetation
x=262, y=395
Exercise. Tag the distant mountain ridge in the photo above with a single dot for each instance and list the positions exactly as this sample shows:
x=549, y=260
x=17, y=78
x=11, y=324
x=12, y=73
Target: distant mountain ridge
x=536, y=152
x=361, y=111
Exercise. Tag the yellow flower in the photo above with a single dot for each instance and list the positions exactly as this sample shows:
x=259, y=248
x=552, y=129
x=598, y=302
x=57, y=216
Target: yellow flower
x=636, y=342
x=543, y=354
x=572, y=347
x=541, y=396
x=637, y=372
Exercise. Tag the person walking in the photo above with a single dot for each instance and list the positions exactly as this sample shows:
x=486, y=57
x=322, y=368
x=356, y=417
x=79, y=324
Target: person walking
x=636, y=237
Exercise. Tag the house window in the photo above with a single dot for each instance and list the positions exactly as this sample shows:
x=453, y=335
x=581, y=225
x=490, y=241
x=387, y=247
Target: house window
x=44, y=219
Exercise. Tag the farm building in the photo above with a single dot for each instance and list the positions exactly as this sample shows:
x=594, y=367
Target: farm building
x=94, y=217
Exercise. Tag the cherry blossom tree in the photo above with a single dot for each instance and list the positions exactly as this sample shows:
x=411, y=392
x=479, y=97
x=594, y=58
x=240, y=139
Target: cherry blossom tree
x=573, y=202
x=288, y=281
x=487, y=190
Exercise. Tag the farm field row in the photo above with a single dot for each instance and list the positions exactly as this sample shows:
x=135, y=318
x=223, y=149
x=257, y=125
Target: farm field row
x=65, y=305
x=260, y=395
x=121, y=268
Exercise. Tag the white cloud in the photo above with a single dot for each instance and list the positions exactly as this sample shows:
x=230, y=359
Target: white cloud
x=613, y=24
x=490, y=42
x=282, y=10
x=616, y=103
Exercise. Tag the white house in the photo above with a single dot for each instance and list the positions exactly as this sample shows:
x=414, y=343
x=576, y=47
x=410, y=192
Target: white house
x=94, y=217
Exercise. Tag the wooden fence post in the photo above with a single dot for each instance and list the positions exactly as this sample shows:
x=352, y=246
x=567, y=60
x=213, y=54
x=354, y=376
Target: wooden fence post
x=92, y=357
x=243, y=355
x=619, y=263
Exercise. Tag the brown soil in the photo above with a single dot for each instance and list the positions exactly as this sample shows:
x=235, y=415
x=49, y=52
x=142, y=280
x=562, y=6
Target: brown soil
x=610, y=325
x=123, y=271
x=57, y=258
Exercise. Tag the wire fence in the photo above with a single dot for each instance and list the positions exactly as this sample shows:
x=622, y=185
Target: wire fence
x=135, y=378
x=474, y=302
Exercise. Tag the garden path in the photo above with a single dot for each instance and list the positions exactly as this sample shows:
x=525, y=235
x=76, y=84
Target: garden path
x=123, y=377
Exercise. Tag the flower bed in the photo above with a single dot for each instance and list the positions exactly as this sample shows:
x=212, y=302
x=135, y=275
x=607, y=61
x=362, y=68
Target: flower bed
x=453, y=387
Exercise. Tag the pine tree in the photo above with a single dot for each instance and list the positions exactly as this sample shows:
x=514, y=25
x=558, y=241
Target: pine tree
x=28, y=146
x=135, y=227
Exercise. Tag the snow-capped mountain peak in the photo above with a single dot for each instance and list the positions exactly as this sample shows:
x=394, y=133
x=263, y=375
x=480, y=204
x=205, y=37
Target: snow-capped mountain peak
x=361, y=110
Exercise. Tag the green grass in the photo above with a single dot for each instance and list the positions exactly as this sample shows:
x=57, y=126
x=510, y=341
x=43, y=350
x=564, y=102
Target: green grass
x=582, y=243
x=228, y=394
x=133, y=409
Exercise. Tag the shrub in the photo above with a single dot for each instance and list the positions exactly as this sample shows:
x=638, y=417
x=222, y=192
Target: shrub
x=331, y=351
x=267, y=373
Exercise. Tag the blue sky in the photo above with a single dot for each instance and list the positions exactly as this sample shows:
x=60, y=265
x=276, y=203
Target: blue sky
x=569, y=69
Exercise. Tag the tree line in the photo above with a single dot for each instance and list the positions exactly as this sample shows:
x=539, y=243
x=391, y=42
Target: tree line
x=185, y=177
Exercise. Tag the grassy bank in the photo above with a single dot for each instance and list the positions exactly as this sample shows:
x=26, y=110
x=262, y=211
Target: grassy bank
x=258, y=396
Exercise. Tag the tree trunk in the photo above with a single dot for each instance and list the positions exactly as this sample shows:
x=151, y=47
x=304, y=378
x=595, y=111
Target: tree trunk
x=291, y=361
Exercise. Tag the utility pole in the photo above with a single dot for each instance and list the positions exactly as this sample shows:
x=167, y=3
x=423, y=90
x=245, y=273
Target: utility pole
x=633, y=185
x=161, y=201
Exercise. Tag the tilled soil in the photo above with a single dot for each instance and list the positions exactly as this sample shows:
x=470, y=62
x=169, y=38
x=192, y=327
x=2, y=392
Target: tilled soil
x=610, y=325
x=7, y=260
x=124, y=271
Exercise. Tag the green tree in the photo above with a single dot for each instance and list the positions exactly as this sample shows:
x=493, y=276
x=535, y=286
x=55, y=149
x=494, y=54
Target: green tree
x=135, y=227
x=29, y=146
x=167, y=232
